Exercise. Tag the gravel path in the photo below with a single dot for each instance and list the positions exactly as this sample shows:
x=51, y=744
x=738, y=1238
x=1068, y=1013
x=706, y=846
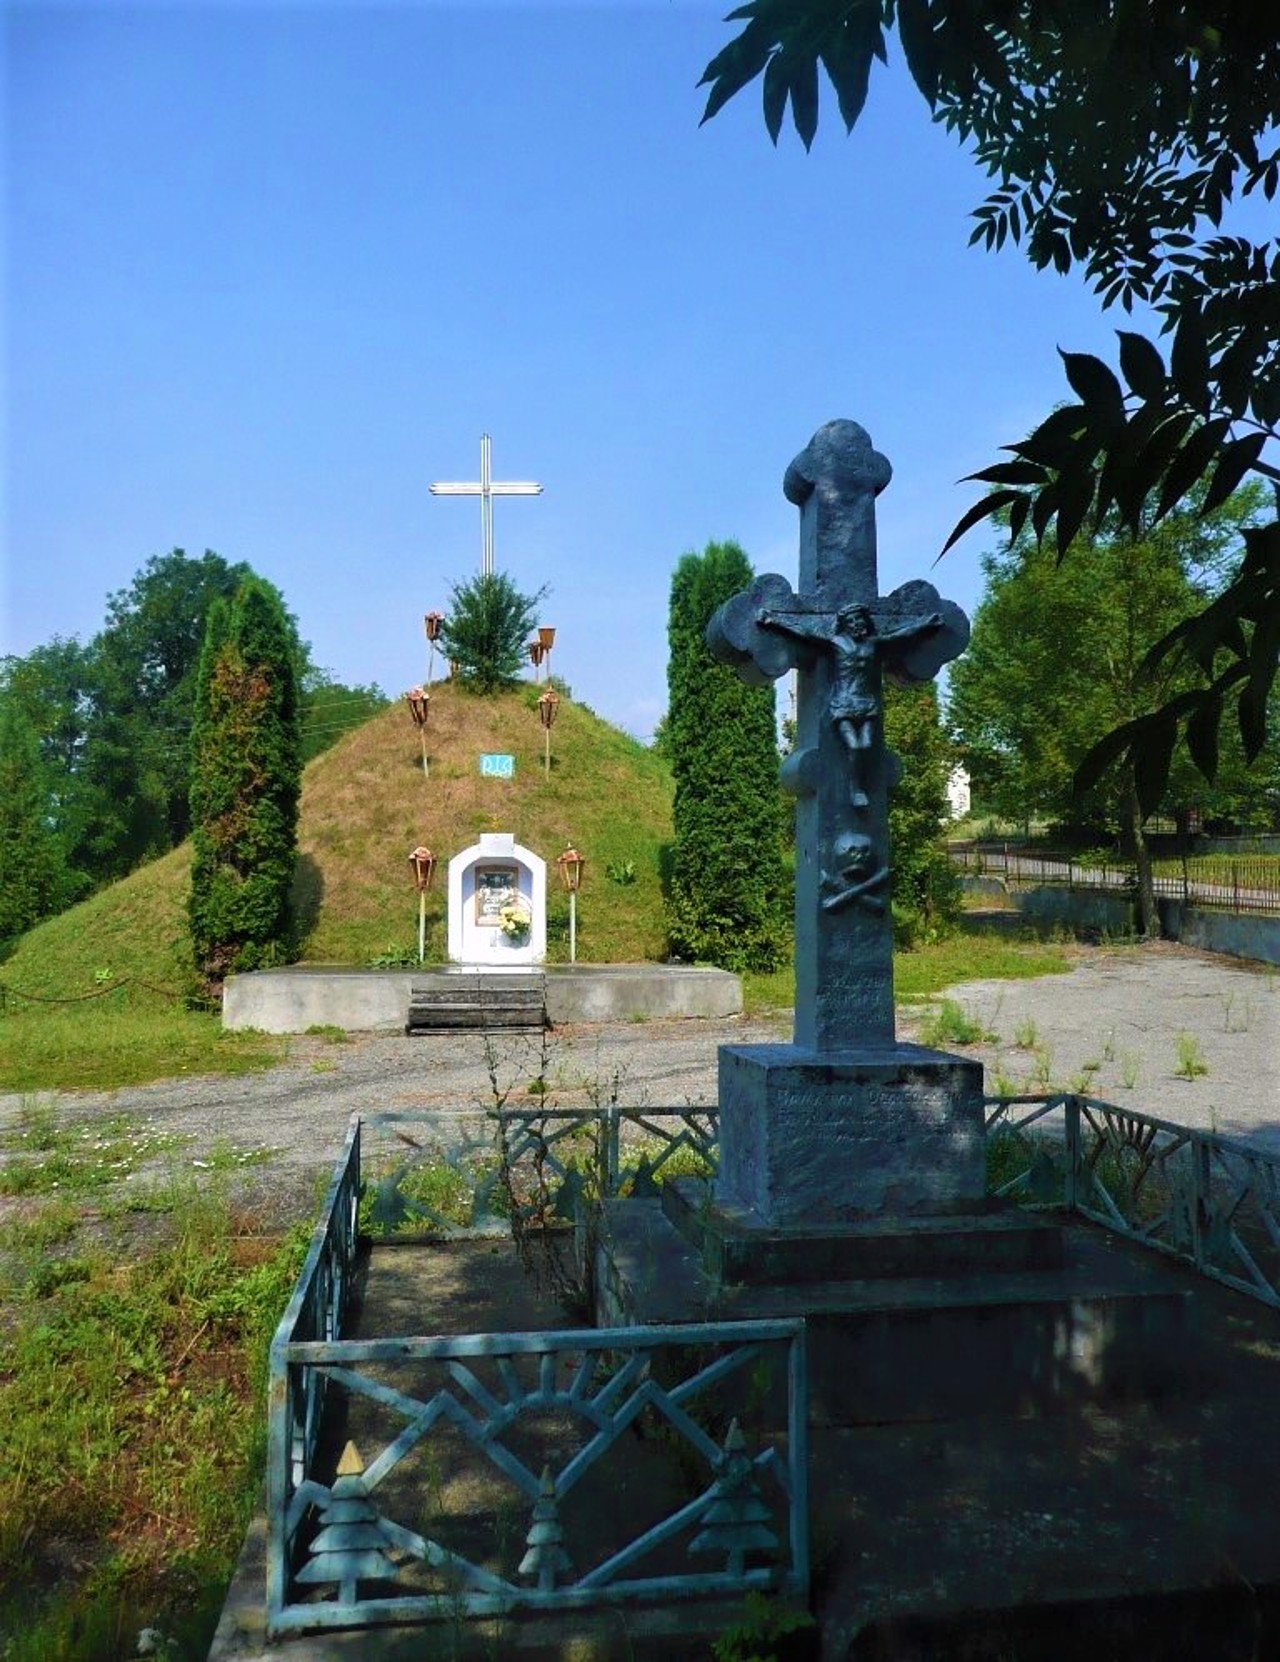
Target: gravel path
x=1122, y=1010
x=1113, y=1028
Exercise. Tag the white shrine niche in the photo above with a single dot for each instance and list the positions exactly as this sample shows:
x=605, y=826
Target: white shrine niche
x=489, y=883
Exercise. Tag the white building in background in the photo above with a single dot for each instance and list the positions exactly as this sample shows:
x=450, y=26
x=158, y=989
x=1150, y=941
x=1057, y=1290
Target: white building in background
x=959, y=796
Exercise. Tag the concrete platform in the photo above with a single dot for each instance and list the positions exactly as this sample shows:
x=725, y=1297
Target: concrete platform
x=1111, y=1529
x=372, y=1000
x=901, y=1345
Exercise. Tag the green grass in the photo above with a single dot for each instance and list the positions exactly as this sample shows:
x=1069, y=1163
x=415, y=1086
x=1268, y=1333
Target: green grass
x=951, y=1024
x=929, y=970
x=134, y=1433
x=123, y=1039
x=43, y=1157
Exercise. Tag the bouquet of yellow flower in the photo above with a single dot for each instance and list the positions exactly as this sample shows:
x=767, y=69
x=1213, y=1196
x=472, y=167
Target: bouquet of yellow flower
x=515, y=919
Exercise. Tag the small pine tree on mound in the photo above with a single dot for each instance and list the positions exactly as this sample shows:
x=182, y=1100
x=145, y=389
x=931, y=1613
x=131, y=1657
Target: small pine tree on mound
x=246, y=772
x=726, y=900
x=487, y=629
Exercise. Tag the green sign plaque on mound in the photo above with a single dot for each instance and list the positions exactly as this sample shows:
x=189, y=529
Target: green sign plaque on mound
x=493, y=766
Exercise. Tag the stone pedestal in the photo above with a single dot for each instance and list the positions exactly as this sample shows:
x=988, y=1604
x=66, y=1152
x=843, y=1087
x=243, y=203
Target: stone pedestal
x=809, y=1138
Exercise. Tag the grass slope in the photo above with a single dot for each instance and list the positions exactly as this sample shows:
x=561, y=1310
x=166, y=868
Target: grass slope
x=365, y=804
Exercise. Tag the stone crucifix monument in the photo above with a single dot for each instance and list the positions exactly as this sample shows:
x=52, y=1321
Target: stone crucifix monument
x=846, y=1122
x=851, y=1185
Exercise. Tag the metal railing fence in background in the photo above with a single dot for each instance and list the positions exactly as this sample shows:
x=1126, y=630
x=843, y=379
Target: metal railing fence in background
x=1210, y=1200
x=1238, y=883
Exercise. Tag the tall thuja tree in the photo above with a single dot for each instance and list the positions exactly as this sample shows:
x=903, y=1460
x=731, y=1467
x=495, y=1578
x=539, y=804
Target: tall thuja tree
x=32, y=874
x=246, y=776
x=726, y=902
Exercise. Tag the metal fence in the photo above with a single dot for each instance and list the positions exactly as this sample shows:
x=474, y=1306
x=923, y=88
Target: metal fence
x=366, y=1533
x=1209, y=1200
x=494, y=1473
x=1236, y=883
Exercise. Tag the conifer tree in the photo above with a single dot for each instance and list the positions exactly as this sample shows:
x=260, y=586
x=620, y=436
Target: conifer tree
x=726, y=902
x=485, y=633
x=245, y=781
x=32, y=876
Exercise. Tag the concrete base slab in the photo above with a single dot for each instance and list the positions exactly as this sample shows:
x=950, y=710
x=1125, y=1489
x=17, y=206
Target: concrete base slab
x=1121, y=1528
x=894, y=1349
x=303, y=996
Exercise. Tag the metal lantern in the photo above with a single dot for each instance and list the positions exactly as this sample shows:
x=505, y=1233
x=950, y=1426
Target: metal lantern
x=433, y=623
x=546, y=637
x=423, y=864
x=571, y=864
x=419, y=701
x=536, y=651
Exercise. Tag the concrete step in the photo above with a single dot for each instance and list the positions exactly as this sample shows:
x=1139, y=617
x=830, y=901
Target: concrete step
x=895, y=1349
x=734, y=1247
x=477, y=1003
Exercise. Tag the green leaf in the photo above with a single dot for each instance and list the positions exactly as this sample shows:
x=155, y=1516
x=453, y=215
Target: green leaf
x=804, y=99
x=1012, y=473
x=915, y=28
x=1097, y=388
x=1234, y=461
x=1189, y=361
x=1075, y=497
x=1152, y=758
x=1202, y=736
x=1142, y=365
x=981, y=510
x=1055, y=441
x=1104, y=755
x=777, y=84
x=1189, y=463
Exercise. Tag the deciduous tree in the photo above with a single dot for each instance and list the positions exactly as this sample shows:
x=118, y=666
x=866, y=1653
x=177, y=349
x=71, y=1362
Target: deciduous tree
x=1117, y=133
x=1056, y=661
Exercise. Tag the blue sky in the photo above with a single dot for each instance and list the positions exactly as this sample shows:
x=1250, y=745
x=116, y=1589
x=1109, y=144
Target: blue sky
x=270, y=271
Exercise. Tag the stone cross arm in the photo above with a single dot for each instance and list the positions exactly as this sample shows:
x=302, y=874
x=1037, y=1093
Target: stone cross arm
x=768, y=629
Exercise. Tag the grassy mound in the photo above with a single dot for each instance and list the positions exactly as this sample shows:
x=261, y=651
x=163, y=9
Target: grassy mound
x=365, y=804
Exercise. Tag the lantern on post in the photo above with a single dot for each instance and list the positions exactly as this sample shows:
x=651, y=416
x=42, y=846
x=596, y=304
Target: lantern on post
x=548, y=708
x=546, y=640
x=571, y=864
x=433, y=622
x=422, y=862
x=419, y=701
x=535, y=656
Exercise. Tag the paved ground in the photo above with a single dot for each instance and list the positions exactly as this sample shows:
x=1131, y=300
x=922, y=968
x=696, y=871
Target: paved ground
x=1123, y=1009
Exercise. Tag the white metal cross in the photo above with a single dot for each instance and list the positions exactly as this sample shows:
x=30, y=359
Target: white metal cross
x=486, y=490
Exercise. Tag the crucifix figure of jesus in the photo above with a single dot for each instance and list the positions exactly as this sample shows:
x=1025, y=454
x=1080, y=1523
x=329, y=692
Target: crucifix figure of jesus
x=486, y=490
x=856, y=646
x=843, y=637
